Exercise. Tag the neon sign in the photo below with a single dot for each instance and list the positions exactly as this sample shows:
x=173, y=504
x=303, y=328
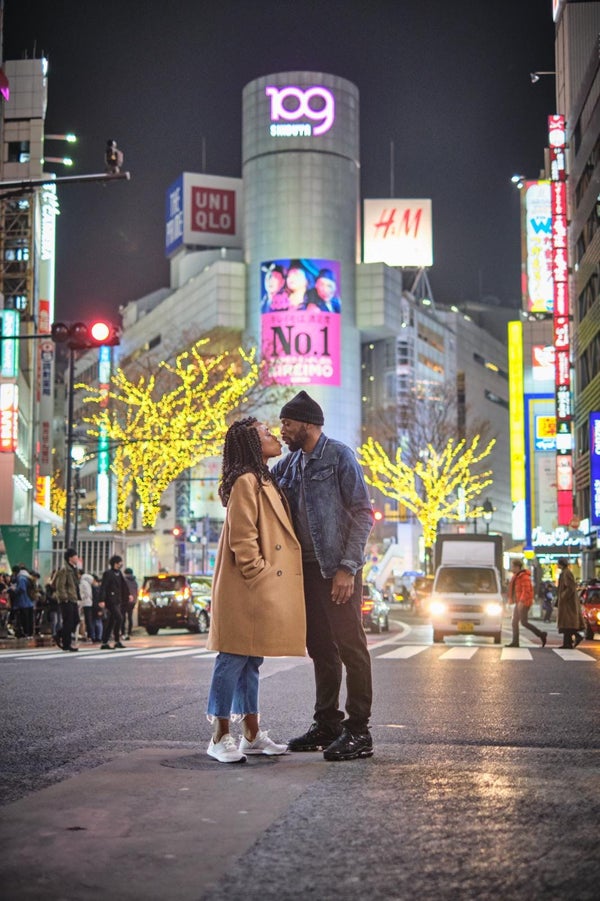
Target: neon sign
x=291, y=104
x=562, y=342
x=595, y=468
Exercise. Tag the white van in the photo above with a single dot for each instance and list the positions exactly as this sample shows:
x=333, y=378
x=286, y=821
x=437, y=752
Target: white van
x=467, y=591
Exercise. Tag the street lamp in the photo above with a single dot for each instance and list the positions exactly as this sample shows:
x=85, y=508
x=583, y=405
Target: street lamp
x=488, y=512
x=535, y=76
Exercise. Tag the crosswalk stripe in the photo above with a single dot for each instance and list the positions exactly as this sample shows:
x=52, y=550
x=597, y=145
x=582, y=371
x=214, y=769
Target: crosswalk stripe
x=403, y=653
x=459, y=654
x=573, y=655
x=185, y=653
x=516, y=654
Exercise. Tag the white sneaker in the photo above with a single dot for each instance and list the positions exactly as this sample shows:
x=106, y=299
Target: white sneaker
x=225, y=750
x=262, y=744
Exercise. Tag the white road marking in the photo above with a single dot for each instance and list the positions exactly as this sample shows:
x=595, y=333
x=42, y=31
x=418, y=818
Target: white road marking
x=403, y=653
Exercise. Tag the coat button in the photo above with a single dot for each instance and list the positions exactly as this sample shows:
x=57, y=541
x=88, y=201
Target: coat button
x=277, y=547
x=279, y=572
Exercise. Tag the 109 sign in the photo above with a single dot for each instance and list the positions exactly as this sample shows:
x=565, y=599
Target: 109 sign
x=292, y=103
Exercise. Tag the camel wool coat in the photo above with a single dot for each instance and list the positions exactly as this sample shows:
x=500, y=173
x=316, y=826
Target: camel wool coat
x=257, y=596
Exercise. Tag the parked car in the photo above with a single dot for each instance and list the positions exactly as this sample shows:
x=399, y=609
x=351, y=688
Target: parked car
x=375, y=611
x=590, y=608
x=175, y=601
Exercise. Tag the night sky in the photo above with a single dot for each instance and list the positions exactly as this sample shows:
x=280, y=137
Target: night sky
x=447, y=82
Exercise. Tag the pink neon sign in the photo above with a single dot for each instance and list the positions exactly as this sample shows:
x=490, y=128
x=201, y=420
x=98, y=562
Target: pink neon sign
x=291, y=104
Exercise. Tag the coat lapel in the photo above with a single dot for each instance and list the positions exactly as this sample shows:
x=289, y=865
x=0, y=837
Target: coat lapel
x=280, y=507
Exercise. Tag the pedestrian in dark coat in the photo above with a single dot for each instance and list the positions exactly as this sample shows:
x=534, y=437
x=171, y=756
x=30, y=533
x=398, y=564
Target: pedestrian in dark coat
x=569, y=619
x=114, y=593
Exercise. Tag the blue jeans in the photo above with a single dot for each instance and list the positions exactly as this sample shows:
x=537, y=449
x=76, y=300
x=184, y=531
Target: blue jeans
x=234, y=686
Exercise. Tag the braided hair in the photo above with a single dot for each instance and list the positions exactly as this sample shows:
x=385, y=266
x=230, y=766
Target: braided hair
x=242, y=453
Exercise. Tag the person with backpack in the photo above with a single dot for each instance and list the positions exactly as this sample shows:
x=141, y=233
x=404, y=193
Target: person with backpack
x=23, y=603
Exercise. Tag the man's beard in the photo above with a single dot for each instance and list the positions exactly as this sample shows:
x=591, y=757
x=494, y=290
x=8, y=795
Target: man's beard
x=297, y=442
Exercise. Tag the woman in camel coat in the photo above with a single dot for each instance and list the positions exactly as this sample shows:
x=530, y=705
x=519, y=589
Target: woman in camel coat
x=257, y=600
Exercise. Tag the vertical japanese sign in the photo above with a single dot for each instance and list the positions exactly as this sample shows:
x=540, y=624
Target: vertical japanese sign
x=595, y=469
x=46, y=353
x=562, y=342
x=301, y=321
x=103, y=477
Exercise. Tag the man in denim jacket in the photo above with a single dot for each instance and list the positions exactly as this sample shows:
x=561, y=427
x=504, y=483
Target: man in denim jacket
x=332, y=516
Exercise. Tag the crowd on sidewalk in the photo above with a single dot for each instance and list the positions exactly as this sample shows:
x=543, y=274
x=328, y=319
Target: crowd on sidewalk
x=31, y=608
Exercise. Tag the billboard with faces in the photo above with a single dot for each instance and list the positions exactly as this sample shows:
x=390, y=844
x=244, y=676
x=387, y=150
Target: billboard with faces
x=301, y=306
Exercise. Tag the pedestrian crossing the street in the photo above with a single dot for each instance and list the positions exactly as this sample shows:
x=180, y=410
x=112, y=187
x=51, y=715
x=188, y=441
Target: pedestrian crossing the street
x=385, y=651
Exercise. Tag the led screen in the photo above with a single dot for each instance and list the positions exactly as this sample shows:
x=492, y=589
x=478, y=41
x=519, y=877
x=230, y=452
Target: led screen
x=301, y=305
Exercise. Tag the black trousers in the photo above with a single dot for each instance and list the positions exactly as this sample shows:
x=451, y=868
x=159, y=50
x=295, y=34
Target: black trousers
x=335, y=637
x=127, y=614
x=112, y=623
x=24, y=622
x=69, y=612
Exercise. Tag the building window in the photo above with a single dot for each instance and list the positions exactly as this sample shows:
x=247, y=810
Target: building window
x=18, y=152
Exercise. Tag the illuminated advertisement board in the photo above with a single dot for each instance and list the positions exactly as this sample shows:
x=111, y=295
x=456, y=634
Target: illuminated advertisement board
x=103, y=477
x=9, y=417
x=9, y=348
x=46, y=355
x=542, y=363
x=398, y=232
x=595, y=469
x=562, y=341
x=300, y=112
x=536, y=212
x=203, y=211
x=301, y=307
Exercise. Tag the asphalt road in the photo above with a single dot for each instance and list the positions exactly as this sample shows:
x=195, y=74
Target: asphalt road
x=484, y=782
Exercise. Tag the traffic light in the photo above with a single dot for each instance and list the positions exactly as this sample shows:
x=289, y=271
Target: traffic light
x=177, y=531
x=82, y=335
x=378, y=515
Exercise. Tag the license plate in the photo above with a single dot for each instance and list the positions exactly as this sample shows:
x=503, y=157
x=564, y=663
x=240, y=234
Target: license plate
x=162, y=602
x=465, y=627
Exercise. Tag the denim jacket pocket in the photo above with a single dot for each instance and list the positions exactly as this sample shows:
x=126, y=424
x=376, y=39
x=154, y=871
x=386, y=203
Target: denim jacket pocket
x=321, y=474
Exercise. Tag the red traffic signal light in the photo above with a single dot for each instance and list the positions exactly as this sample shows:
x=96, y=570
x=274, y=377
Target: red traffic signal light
x=378, y=515
x=177, y=531
x=81, y=335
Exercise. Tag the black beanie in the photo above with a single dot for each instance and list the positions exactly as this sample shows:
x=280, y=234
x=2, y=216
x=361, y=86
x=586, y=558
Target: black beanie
x=303, y=408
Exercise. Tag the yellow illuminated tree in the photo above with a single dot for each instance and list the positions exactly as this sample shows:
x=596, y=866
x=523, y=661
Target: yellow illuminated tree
x=58, y=496
x=441, y=484
x=161, y=424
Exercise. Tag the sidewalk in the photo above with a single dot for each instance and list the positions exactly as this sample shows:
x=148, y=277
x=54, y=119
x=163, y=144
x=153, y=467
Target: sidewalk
x=153, y=824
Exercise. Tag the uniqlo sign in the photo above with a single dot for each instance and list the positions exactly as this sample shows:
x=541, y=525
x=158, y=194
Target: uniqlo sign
x=203, y=211
x=212, y=211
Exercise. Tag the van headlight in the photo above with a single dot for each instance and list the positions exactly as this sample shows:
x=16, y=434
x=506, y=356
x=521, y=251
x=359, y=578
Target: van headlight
x=438, y=608
x=493, y=609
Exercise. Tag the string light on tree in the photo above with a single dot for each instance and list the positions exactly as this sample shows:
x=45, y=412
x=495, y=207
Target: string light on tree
x=429, y=489
x=163, y=424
